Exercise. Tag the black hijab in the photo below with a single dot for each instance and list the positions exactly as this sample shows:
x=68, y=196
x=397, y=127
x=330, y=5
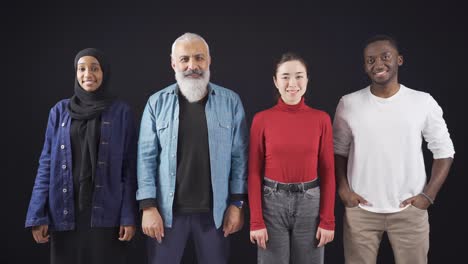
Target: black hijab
x=86, y=108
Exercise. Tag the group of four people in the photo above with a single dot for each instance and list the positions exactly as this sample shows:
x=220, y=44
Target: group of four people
x=189, y=168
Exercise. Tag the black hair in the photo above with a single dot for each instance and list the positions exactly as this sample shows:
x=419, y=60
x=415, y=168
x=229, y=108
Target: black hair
x=382, y=37
x=285, y=57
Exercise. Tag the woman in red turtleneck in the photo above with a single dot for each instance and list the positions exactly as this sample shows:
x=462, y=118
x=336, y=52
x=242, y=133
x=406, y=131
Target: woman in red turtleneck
x=291, y=173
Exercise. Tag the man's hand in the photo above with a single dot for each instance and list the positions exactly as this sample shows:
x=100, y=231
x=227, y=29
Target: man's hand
x=40, y=233
x=260, y=237
x=126, y=233
x=352, y=199
x=152, y=223
x=324, y=236
x=233, y=220
x=418, y=201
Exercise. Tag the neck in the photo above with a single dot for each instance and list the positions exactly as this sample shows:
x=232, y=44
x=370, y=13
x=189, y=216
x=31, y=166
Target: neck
x=385, y=90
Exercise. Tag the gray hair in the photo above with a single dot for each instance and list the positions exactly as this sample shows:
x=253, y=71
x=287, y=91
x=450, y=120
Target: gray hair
x=189, y=37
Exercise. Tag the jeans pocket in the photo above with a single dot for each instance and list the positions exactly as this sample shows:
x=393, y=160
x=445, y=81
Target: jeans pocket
x=267, y=191
x=313, y=193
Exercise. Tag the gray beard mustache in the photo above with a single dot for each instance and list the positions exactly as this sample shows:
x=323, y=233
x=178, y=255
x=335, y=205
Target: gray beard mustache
x=193, y=89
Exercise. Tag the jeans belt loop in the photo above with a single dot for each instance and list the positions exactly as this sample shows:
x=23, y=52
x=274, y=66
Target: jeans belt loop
x=276, y=186
x=303, y=187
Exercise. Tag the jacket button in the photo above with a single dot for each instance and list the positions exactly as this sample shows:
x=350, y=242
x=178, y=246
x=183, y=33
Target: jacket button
x=64, y=190
x=171, y=194
x=65, y=212
x=64, y=166
x=62, y=146
x=63, y=124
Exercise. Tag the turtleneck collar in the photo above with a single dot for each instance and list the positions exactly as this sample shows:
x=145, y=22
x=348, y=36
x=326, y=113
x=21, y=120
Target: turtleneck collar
x=281, y=105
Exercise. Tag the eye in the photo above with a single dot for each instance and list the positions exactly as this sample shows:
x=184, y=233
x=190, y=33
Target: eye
x=81, y=69
x=386, y=57
x=299, y=77
x=370, y=61
x=184, y=59
x=285, y=77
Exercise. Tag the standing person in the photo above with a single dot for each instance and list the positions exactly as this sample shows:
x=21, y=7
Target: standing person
x=192, y=161
x=84, y=193
x=379, y=160
x=291, y=160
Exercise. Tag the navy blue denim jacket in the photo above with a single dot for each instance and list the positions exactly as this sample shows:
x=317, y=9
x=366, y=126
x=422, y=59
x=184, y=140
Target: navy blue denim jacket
x=113, y=204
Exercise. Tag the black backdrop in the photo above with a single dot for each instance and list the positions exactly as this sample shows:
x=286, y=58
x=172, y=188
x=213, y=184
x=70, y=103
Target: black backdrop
x=41, y=39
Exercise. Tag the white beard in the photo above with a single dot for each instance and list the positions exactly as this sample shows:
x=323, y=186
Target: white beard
x=193, y=89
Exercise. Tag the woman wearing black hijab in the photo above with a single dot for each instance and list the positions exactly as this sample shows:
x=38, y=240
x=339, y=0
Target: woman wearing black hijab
x=84, y=193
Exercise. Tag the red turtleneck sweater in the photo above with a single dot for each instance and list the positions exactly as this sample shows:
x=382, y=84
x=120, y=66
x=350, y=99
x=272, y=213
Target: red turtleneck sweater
x=291, y=143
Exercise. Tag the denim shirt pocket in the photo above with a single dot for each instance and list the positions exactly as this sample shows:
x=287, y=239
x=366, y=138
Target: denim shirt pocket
x=162, y=130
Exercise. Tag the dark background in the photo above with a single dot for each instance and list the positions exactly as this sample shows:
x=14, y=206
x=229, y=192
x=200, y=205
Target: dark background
x=40, y=41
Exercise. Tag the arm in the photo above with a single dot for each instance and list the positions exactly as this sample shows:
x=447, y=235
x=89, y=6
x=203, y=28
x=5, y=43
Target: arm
x=258, y=231
x=37, y=214
x=129, y=210
x=326, y=167
x=342, y=137
x=234, y=217
x=148, y=153
x=436, y=134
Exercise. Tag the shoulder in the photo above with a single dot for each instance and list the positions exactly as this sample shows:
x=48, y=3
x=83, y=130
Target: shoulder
x=163, y=93
x=224, y=92
x=355, y=97
x=417, y=96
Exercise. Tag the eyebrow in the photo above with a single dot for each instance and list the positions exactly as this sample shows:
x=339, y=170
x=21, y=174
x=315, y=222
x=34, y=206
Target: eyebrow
x=92, y=63
x=194, y=55
x=287, y=73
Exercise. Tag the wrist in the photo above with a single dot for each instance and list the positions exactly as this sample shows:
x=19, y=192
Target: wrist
x=238, y=204
x=429, y=198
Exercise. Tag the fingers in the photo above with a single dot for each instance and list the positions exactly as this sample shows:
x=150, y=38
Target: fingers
x=361, y=200
x=40, y=233
x=324, y=236
x=228, y=229
x=260, y=237
x=126, y=233
x=262, y=241
x=407, y=202
x=121, y=232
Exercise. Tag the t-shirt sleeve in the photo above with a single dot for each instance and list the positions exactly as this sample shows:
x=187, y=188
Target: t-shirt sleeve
x=435, y=132
x=341, y=132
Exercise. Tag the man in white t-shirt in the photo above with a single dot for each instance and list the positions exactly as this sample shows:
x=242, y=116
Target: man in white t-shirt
x=378, y=133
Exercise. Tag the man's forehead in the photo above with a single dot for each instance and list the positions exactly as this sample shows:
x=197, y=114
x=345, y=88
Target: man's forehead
x=379, y=47
x=192, y=47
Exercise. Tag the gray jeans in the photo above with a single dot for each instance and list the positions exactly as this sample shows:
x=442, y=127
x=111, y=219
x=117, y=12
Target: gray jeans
x=291, y=220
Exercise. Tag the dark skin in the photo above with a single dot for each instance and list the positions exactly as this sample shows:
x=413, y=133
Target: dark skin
x=381, y=62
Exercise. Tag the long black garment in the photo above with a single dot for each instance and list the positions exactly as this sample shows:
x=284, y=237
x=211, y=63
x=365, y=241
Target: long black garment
x=86, y=245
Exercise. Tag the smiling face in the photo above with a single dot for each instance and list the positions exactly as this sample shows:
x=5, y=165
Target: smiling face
x=191, y=58
x=89, y=73
x=381, y=62
x=291, y=81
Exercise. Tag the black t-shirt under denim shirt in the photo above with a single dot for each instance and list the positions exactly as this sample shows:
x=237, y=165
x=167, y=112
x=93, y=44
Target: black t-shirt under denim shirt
x=193, y=177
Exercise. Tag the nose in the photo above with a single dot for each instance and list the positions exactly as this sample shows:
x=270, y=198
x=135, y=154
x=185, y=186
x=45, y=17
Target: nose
x=87, y=72
x=192, y=64
x=292, y=82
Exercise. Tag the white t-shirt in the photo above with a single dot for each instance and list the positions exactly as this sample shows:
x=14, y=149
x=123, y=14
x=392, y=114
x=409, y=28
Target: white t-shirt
x=382, y=138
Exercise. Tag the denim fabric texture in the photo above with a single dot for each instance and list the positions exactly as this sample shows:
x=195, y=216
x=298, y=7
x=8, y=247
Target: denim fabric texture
x=157, y=149
x=113, y=204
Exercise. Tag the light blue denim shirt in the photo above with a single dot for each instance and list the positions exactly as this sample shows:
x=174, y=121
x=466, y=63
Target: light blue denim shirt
x=157, y=149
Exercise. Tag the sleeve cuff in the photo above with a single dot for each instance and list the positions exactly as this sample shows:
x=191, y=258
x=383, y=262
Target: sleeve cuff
x=238, y=197
x=146, y=203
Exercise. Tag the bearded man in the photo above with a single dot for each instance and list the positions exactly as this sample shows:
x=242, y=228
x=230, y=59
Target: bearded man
x=192, y=161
